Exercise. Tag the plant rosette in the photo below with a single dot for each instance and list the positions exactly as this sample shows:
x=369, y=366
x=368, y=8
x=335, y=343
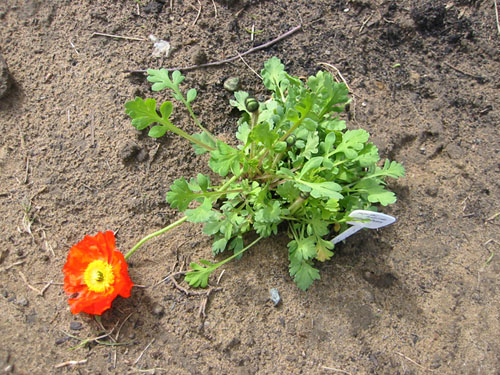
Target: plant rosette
x=295, y=162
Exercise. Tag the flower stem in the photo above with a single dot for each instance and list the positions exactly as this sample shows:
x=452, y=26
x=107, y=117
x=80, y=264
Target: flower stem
x=217, y=265
x=152, y=235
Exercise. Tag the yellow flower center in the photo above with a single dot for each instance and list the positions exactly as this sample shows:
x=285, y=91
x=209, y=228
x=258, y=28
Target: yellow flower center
x=99, y=276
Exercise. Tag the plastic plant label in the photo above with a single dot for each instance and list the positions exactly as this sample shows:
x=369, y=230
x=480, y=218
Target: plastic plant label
x=371, y=220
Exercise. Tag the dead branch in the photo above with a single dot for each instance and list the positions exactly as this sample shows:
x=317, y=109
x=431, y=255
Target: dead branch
x=225, y=61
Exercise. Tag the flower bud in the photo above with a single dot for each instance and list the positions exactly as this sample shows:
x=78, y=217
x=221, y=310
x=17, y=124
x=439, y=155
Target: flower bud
x=290, y=140
x=251, y=104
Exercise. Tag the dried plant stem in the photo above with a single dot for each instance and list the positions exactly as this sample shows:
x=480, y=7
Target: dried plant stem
x=336, y=369
x=215, y=8
x=39, y=292
x=198, y=14
x=117, y=36
x=12, y=265
x=142, y=353
x=480, y=78
x=496, y=16
x=249, y=67
x=221, y=62
x=338, y=72
x=71, y=363
x=412, y=361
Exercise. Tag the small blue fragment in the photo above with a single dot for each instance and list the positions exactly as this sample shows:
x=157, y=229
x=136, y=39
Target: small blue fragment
x=275, y=296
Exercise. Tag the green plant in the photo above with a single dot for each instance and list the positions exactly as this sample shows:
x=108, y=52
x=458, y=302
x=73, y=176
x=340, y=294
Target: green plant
x=295, y=162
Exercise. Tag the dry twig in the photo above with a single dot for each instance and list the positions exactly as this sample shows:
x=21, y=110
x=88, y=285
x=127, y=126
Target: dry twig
x=46, y=287
x=415, y=363
x=121, y=325
x=336, y=369
x=204, y=301
x=39, y=292
x=220, y=276
x=225, y=61
x=149, y=370
x=48, y=247
x=492, y=217
x=215, y=8
x=142, y=353
x=72, y=45
x=12, y=265
x=365, y=22
x=496, y=16
x=84, y=342
x=71, y=363
x=117, y=36
x=27, y=170
x=479, y=78
x=249, y=67
x=205, y=294
x=337, y=72
x=198, y=15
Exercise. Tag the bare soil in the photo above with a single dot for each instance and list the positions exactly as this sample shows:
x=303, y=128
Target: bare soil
x=419, y=297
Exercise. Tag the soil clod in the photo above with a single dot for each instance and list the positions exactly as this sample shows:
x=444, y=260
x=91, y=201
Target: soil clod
x=131, y=151
x=75, y=326
x=158, y=310
x=5, y=79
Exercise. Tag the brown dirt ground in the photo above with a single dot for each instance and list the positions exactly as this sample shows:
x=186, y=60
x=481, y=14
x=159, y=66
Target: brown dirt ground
x=418, y=297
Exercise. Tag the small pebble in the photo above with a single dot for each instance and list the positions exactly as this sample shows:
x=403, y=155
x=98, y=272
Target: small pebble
x=432, y=191
x=5, y=80
x=158, y=310
x=62, y=340
x=75, y=326
x=275, y=296
x=198, y=56
x=232, y=84
x=131, y=151
x=436, y=362
x=23, y=301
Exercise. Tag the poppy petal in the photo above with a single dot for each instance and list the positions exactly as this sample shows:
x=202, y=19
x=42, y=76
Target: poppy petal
x=100, y=247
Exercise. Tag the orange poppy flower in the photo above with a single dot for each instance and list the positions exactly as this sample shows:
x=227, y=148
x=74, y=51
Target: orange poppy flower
x=95, y=273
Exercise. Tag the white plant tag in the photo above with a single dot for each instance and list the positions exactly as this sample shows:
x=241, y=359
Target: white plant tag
x=375, y=220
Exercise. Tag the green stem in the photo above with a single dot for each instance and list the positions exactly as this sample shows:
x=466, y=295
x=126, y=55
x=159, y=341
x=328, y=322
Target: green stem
x=276, y=160
x=193, y=116
x=152, y=235
x=255, y=120
x=219, y=192
x=217, y=265
x=227, y=183
x=182, y=133
x=176, y=223
x=292, y=129
x=296, y=205
x=284, y=137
